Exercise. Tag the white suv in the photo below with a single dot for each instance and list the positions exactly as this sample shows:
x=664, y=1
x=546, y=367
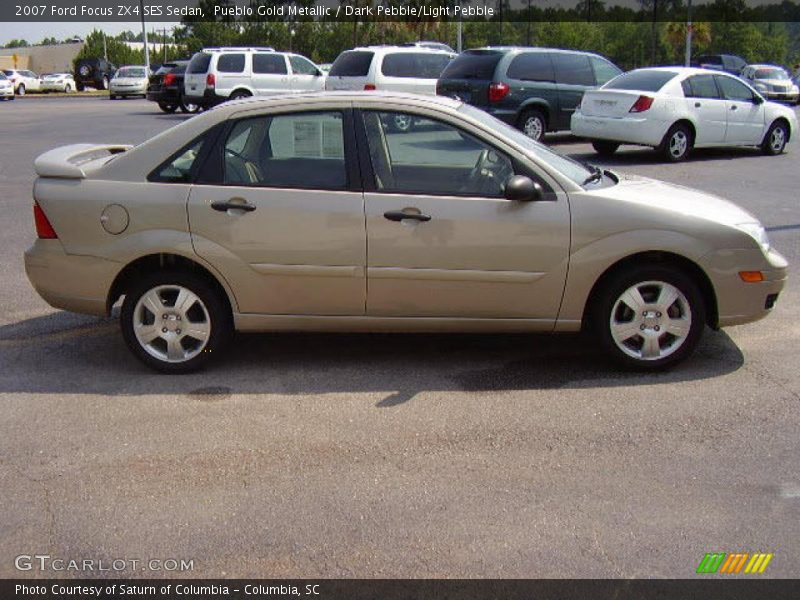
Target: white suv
x=218, y=74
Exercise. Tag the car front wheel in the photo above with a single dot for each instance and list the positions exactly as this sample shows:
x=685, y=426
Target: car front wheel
x=175, y=322
x=776, y=138
x=533, y=124
x=650, y=318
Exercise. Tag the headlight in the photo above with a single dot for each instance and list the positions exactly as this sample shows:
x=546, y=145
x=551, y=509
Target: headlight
x=757, y=232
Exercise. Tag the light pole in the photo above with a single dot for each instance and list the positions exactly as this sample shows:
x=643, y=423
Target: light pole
x=144, y=38
x=688, y=57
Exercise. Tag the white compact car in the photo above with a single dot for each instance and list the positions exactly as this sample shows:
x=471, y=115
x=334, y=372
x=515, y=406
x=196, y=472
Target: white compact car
x=772, y=82
x=6, y=88
x=23, y=81
x=129, y=81
x=215, y=75
x=58, y=82
x=675, y=109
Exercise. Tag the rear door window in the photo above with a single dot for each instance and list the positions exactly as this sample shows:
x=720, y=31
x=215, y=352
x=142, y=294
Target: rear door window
x=352, y=64
x=700, y=86
x=269, y=64
x=532, y=66
x=230, y=63
x=473, y=64
x=573, y=69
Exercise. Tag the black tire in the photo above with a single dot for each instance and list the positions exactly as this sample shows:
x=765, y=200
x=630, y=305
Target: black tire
x=189, y=108
x=167, y=107
x=68, y=89
x=605, y=148
x=112, y=97
x=79, y=86
x=533, y=123
x=21, y=89
x=401, y=123
x=608, y=304
x=239, y=94
x=220, y=321
x=12, y=98
x=104, y=84
x=677, y=143
x=775, y=141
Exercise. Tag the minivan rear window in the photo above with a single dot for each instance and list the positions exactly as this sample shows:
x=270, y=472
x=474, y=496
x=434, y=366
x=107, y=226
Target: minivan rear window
x=353, y=63
x=424, y=65
x=642, y=81
x=199, y=63
x=473, y=64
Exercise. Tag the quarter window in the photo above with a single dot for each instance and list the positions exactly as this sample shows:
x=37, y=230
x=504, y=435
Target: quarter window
x=269, y=64
x=230, y=63
x=299, y=150
x=432, y=158
x=181, y=167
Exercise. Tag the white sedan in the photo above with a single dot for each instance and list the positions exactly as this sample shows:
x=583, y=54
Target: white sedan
x=58, y=82
x=675, y=109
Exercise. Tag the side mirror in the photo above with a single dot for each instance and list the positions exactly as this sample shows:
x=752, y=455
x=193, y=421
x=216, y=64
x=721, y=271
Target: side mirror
x=521, y=188
x=758, y=100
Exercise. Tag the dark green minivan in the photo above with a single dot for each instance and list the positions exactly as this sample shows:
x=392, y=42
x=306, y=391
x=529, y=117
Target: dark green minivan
x=534, y=89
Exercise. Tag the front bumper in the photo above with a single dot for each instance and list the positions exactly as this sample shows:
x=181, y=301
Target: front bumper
x=628, y=130
x=127, y=91
x=739, y=302
x=790, y=97
x=7, y=92
x=76, y=283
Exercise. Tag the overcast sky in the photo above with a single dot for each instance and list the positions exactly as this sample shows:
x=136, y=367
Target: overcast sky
x=35, y=32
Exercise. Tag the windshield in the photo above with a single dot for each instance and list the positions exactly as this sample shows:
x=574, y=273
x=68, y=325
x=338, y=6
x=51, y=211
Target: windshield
x=131, y=72
x=565, y=165
x=772, y=73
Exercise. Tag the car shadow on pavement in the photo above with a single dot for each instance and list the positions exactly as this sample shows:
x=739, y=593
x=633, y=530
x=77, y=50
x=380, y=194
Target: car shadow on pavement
x=635, y=155
x=73, y=354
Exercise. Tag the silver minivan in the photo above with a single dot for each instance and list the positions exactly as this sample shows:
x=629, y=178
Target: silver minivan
x=218, y=74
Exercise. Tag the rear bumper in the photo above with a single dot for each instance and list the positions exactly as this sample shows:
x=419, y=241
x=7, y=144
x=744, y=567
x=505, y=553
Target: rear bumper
x=739, y=302
x=168, y=95
x=630, y=130
x=75, y=283
x=207, y=99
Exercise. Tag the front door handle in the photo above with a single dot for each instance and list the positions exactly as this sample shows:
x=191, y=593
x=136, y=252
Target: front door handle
x=733, y=107
x=697, y=105
x=399, y=215
x=226, y=205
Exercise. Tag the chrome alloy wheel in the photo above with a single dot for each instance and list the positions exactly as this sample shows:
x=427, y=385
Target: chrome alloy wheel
x=533, y=128
x=777, y=140
x=678, y=144
x=171, y=323
x=650, y=320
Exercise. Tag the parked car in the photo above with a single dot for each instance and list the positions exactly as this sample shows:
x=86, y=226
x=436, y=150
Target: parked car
x=730, y=63
x=93, y=72
x=23, y=81
x=772, y=82
x=129, y=81
x=215, y=75
x=58, y=82
x=6, y=87
x=675, y=109
x=166, y=88
x=533, y=89
x=257, y=215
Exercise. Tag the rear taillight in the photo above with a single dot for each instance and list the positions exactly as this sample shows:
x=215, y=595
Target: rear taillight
x=498, y=91
x=211, y=80
x=44, y=230
x=369, y=87
x=169, y=79
x=642, y=104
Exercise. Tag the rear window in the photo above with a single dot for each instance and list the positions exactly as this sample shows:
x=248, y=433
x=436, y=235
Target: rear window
x=710, y=60
x=423, y=65
x=532, y=66
x=131, y=72
x=199, y=63
x=642, y=81
x=352, y=64
x=473, y=64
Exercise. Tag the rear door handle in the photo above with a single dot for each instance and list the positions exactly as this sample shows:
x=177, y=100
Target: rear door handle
x=733, y=107
x=697, y=104
x=226, y=205
x=399, y=215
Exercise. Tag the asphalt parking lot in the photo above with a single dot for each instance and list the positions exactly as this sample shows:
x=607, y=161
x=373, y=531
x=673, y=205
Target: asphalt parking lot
x=393, y=456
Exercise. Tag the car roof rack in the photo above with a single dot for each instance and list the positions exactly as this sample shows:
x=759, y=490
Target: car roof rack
x=240, y=48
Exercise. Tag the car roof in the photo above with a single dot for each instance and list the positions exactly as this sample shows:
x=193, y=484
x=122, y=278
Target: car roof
x=686, y=71
x=396, y=48
x=533, y=49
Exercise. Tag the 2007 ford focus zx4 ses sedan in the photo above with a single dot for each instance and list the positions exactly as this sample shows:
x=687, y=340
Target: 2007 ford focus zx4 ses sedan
x=313, y=213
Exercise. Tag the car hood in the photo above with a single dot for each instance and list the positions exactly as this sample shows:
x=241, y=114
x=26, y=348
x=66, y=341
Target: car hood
x=673, y=198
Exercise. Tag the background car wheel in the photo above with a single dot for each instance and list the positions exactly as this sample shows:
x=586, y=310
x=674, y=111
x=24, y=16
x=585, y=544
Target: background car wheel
x=104, y=83
x=401, y=123
x=188, y=107
x=649, y=318
x=677, y=143
x=167, y=107
x=604, y=148
x=175, y=321
x=68, y=89
x=776, y=138
x=237, y=95
x=21, y=89
x=112, y=97
x=533, y=124
x=80, y=87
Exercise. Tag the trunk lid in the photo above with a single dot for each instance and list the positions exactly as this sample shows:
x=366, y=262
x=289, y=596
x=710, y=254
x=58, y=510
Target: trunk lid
x=610, y=103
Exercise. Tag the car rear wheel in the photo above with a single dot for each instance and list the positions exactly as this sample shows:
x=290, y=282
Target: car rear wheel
x=605, y=148
x=677, y=143
x=112, y=97
x=533, y=124
x=21, y=89
x=168, y=107
x=776, y=138
x=188, y=107
x=104, y=83
x=649, y=318
x=238, y=94
x=174, y=321
x=68, y=89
